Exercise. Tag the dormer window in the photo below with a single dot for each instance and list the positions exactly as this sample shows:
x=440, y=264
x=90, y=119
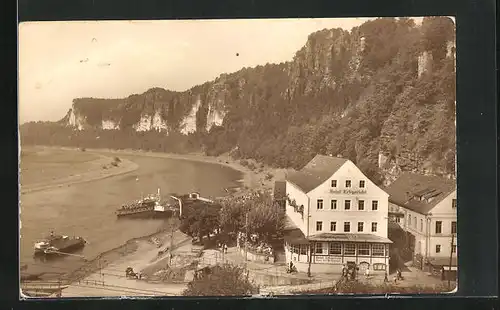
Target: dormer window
x=362, y=184
x=454, y=204
x=348, y=183
x=334, y=183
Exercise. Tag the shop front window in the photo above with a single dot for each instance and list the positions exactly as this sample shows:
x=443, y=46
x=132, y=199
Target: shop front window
x=378, y=266
x=350, y=249
x=335, y=248
x=364, y=249
x=319, y=248
x=378, y=249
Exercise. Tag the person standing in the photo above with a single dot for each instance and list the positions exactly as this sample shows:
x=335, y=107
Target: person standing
x=367, y=273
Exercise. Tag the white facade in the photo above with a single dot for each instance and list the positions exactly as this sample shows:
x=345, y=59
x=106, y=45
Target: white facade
x=433, y=231
x=373, y=199
x=346, y=204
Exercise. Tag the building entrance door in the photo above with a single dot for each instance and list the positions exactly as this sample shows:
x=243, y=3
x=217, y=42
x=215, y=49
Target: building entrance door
x=363, y=266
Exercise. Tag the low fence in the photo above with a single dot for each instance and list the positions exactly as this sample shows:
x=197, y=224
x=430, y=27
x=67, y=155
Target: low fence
x=295, y=289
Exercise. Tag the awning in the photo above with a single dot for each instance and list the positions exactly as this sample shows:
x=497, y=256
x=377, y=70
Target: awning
x=289, y=224
x=443, y=261
x=295, y=236
x=370, y=238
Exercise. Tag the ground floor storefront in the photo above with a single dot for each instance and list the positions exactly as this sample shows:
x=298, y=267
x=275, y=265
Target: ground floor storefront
x=329, y=253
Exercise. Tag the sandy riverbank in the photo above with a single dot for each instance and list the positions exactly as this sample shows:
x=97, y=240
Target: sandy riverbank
x=95, y=169
x=261, y=177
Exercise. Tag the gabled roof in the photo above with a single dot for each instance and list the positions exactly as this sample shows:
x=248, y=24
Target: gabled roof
x=317, y=171
x=279, y=190
x=419, y=193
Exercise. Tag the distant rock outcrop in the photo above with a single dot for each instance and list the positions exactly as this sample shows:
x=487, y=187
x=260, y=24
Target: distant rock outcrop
x=381, y=95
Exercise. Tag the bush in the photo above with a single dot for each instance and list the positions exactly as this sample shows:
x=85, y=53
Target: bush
x=115, y=164
x=355, y=287
x=244, y=162
x=269, y=176
x=117, y=159
x=226, y=280
x=251, y=166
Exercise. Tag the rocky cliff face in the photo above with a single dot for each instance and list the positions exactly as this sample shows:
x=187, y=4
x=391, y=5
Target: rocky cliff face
x=382, y=95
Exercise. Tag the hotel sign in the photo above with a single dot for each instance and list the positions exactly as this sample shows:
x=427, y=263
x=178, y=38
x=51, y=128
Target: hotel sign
x=327, y=259
x=348, y=191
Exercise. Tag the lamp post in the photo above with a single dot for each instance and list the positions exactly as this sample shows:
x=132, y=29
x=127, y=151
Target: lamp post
x=246, y=241
x=451, y=260
x=310, y=259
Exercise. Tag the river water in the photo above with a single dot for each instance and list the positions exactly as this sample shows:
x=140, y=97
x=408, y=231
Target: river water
x=88, y=209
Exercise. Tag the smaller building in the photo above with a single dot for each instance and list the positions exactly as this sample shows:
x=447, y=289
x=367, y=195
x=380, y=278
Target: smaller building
x=429, y=208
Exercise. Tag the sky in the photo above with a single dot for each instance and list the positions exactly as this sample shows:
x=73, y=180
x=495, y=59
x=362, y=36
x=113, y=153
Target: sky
x=60, y=61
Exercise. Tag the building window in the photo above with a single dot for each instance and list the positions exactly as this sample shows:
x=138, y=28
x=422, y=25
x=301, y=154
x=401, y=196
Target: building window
x=347, y=205
x=334, y=183
x=333, y=226
x=350, y=249
x=335, y=248
x=378, y=249
x=398, y=220
x=360, y=226
x=347, y=227
x=438, y=248
x=454, y=227
x=454, y=204
x=454, y=249
x=348, y=183
x=303, y=249
x=295, y=249
x=319, y=226
x=378, y=266
x=361, y=205
x=362, y=184
x=319, y=248
x=415, y=222
x=375, y=205
x=333, y=204
x=439, y=226
x=374, y=227
x=409, y=220
x=421, y=224
x=320, y=204
x=364, y=249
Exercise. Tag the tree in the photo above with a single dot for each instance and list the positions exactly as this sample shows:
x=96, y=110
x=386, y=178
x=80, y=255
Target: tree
x=199, y=220
x=225, y=280
x=264, y=218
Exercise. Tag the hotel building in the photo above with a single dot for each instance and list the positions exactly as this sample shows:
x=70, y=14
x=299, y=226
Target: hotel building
x=336, y=216
x=428, y=205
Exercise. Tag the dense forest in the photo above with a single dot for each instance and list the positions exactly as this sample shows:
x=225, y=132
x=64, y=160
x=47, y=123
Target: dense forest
x=382, y=95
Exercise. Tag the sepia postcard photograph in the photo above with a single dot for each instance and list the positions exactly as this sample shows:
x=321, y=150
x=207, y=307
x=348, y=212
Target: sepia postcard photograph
x=245, y=157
